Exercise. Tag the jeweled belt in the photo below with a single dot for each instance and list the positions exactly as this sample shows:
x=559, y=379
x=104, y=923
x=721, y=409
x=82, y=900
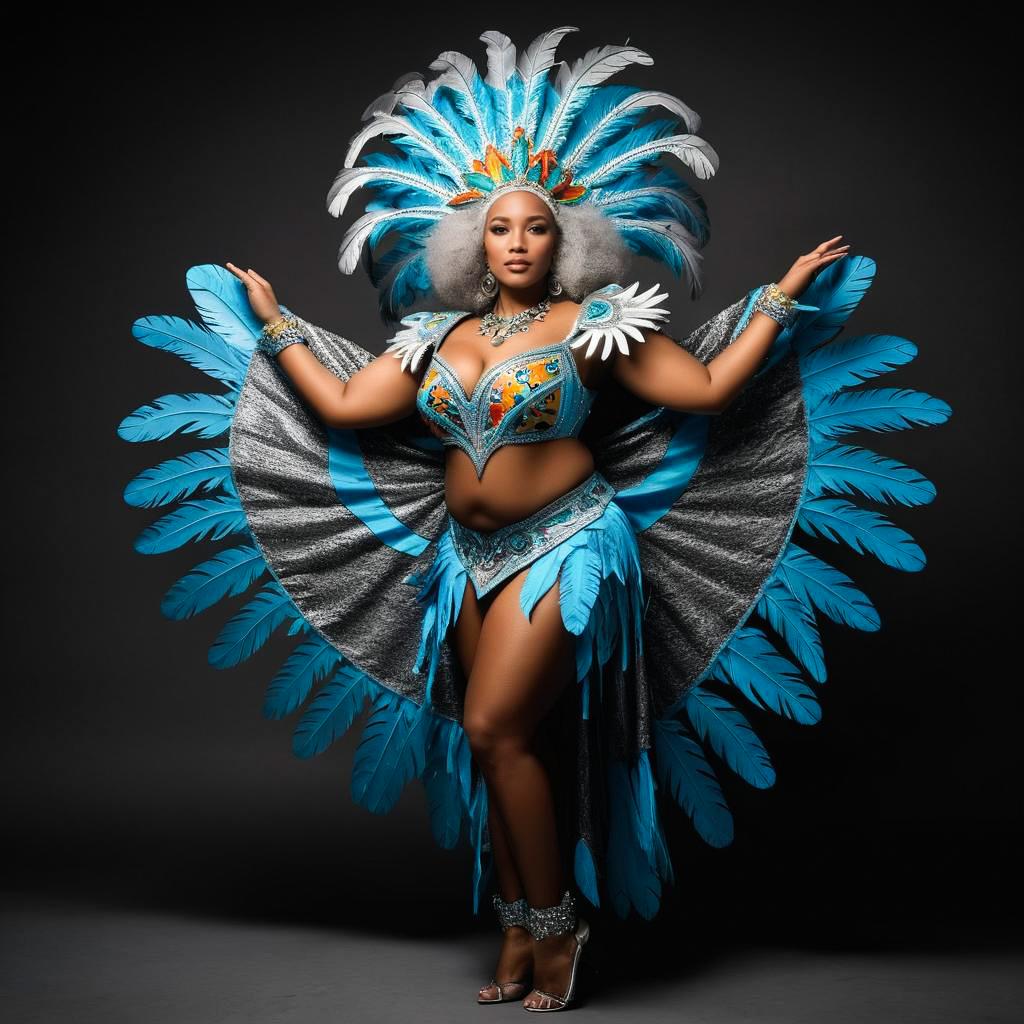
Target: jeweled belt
x=492, y=557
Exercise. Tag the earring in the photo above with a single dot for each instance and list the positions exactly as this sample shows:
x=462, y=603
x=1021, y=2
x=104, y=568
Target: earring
x=554, y=286
x=489, y=285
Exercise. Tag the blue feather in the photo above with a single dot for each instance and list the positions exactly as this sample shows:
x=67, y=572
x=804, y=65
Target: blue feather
x=848, y=362
x=793, y=619
x=864, y=530
x=392, y=751
x=684, y=772
x=580, y=581
x=193, y=520
x=844, y=469
x=194, y=413
x=836, y=291
x=177, y=478
x=632, y=879
x=585, y=872
x=196, y=345
x=544, y=571
x=730, y=736
x=594, y=168
x=879, y=409
x=312, y=660
x=595, y=126
x=250, y=628
x=478, y=823
x=332, y=712
x=687, y=204
x=223, y=303
x=750, y=663
x=445, y=805
x=227, y=574
x=815, y=582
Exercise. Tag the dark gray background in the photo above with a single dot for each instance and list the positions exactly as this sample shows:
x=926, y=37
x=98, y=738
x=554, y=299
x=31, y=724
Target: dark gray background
x=138, y=778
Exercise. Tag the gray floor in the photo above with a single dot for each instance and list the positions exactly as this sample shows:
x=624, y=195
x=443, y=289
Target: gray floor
x=67, y=960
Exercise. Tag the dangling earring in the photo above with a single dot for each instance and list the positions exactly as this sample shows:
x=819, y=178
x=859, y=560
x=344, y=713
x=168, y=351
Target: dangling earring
x=554, y=286
x=489, y=285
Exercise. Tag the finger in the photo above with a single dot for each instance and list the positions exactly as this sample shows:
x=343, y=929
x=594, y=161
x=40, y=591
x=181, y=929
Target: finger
x=261, y=280
x=825, y=245
x=240, y=274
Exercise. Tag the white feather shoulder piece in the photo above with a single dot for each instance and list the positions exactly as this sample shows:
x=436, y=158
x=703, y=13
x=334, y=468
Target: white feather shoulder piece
x=421, y=331
x=611, y=313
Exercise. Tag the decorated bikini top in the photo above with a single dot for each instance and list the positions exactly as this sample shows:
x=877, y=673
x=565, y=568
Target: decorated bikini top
x=537, y=395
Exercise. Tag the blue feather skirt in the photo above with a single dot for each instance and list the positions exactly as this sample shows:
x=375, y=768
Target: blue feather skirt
x=584, y=541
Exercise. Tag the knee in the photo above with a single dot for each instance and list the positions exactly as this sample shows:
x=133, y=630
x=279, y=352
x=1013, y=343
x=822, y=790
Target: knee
x=492, y=745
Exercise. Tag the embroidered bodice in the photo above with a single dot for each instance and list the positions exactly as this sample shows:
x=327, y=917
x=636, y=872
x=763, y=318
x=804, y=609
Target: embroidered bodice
x=536, y=395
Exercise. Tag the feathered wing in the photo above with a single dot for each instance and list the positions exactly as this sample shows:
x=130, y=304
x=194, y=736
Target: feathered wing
x=327, y=528
x=322, y=527
x=733, y=597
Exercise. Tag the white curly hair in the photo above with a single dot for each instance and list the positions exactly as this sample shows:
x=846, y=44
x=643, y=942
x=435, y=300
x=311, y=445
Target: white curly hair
x=590, y=253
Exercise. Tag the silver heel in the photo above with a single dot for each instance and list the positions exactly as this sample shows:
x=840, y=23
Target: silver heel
x=558, y=920
x=509, y=915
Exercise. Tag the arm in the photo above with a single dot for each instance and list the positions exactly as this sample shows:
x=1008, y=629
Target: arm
x=662, y=373
x=381, y=392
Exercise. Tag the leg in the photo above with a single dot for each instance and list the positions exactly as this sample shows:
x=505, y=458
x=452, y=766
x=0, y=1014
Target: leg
x=520, y=669
x=515, y=959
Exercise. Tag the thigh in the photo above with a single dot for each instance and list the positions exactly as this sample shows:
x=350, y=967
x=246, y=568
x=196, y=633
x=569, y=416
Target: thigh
x=521, y=665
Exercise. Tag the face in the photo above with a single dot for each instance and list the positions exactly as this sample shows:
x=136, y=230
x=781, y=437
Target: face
x=519, y=227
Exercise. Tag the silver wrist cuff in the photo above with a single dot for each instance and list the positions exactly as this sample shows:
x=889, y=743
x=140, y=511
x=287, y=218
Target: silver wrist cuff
x=769, y=303
x=510, y=914
x=290, y=335
x=555, y=920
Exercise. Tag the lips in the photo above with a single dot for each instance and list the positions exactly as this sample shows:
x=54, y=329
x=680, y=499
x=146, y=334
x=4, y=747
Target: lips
x=517, y=264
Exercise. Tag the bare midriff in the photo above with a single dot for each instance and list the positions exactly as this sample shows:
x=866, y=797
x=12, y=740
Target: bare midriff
x=518, y=479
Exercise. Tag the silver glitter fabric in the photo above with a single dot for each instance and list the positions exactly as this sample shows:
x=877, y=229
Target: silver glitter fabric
x=554, y=920
x=510, y=914
x=491, y=558
x=704, y=561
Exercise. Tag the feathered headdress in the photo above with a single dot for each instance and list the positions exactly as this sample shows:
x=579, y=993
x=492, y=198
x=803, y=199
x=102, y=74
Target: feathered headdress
x=467, y=139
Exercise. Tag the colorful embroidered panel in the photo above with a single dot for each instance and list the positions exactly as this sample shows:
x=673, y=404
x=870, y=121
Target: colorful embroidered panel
x=532, y=396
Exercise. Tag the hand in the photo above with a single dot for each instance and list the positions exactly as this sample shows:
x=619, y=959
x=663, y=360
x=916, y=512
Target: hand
x=806, y=268
x=261, y=295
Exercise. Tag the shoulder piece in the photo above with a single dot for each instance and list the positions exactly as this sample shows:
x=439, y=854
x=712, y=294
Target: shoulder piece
x=421, y=331
x=612, y=312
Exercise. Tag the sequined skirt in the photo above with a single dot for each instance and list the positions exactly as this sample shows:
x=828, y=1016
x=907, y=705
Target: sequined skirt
x=583, y=540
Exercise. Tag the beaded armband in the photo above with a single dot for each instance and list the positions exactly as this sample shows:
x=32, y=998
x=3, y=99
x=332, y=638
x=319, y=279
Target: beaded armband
x=611, y=313
x=278, y=335
x=774, y=302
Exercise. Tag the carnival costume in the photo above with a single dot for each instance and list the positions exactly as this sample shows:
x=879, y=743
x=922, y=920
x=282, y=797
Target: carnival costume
x=679, y=573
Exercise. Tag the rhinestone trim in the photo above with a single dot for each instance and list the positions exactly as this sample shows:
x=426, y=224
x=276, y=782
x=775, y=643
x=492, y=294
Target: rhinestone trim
x=510, y=914
x=490, y=558
x=556, y=920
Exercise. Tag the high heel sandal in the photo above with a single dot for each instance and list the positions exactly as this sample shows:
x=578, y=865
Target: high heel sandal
x=509, y=914
x=559, y=919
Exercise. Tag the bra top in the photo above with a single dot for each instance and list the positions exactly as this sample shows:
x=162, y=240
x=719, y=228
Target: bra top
x=537, y=395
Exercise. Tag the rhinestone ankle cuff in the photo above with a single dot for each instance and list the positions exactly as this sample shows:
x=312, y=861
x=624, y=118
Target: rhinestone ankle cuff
x=554, y=920
x=509, y=914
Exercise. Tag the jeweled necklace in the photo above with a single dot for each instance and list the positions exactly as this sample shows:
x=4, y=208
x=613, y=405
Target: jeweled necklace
x=502, y=327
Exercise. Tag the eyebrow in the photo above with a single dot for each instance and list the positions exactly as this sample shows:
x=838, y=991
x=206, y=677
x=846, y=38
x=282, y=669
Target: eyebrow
x=536, y=216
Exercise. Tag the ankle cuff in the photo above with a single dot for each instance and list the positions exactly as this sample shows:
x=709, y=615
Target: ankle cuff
x=554, y=920
x=510, y=914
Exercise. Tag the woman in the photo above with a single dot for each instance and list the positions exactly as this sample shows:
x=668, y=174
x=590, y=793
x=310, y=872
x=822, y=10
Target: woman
x=557, y=536
x=517, y=666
